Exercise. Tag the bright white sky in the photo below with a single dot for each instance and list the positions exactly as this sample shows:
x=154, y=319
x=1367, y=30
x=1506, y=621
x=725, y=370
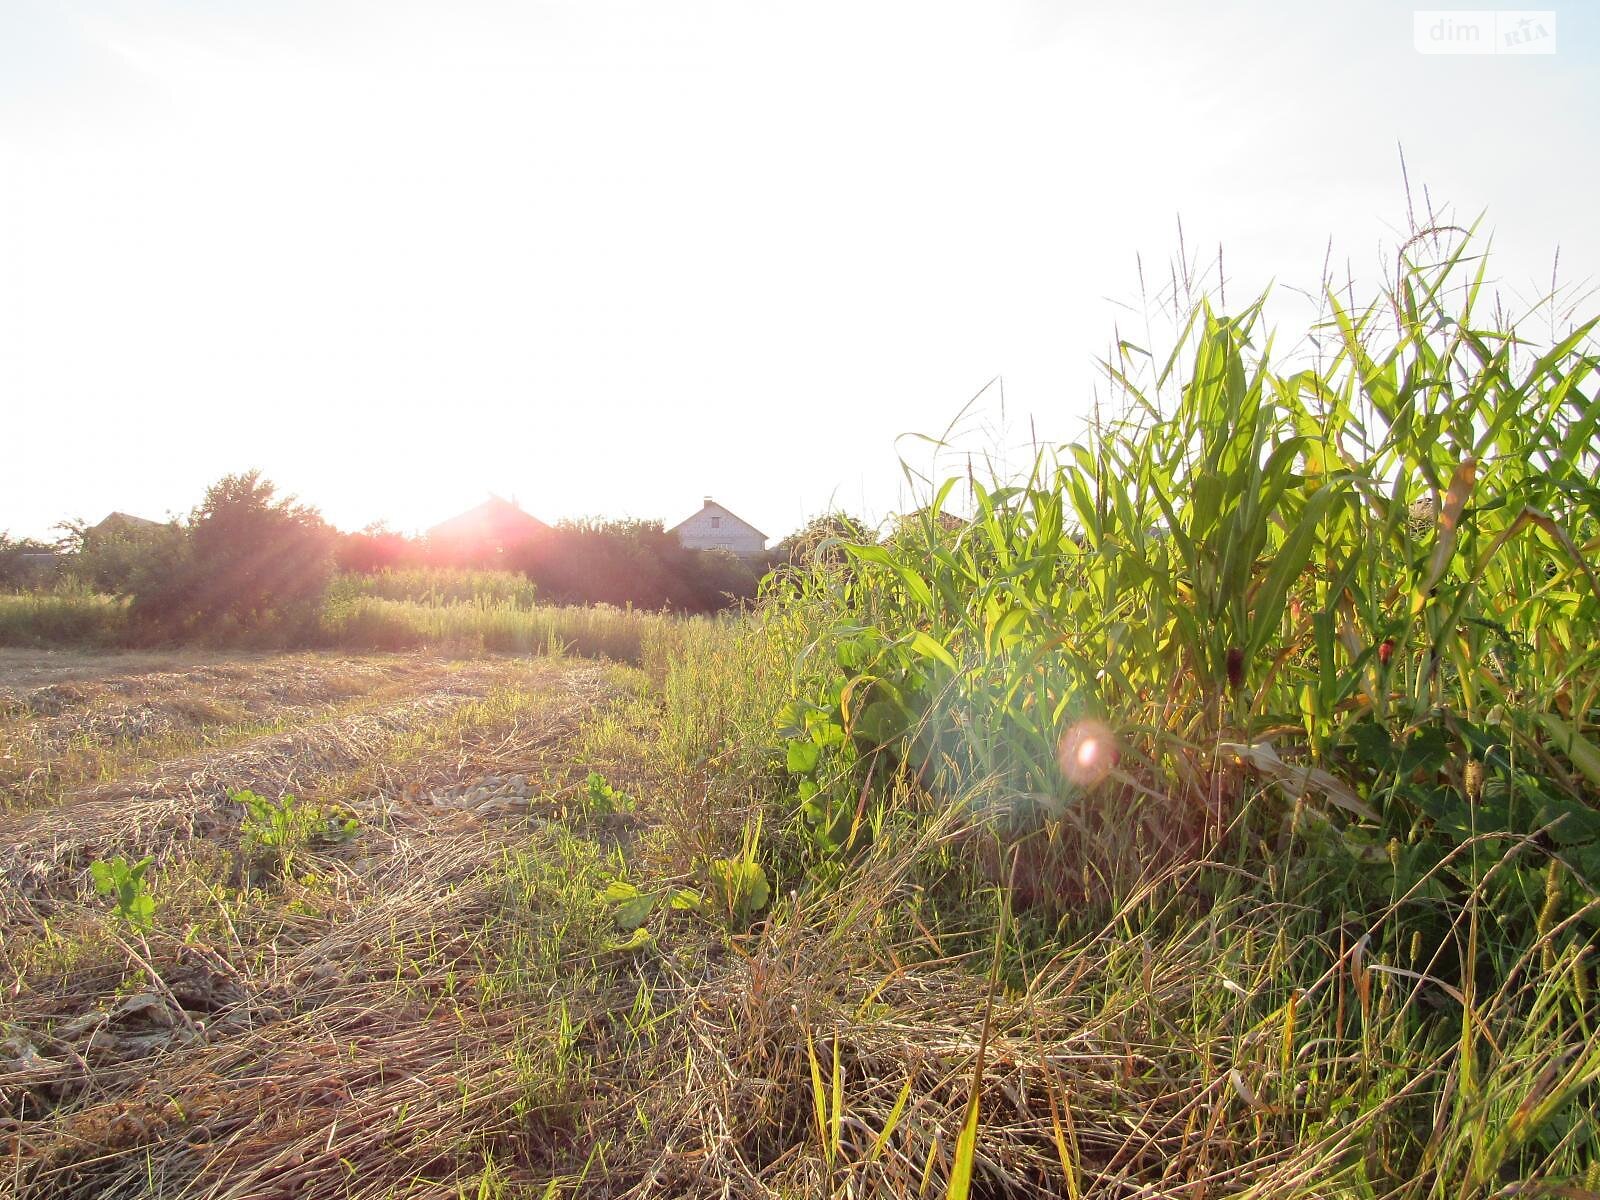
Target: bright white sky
x=611, y=257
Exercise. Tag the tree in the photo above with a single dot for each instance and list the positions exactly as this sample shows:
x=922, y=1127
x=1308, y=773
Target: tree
x=820, y=535
x=375, y=548
x=246, y=565
x=122, y=559
x=634, y=563
x=256, y=560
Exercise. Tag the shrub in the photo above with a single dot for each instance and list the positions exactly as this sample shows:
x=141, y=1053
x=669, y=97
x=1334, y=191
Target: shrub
x=26, y=563
x=123, y=558
x=633, y=564
x=375, y=548
x=822, y=536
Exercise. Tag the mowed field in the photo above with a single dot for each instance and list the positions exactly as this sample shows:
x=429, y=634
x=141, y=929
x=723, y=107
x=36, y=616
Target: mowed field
x=375, y=1004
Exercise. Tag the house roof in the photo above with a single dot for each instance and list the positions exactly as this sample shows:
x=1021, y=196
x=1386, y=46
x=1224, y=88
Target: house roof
x=720, y=510
x=495, y=519
x=122, y=520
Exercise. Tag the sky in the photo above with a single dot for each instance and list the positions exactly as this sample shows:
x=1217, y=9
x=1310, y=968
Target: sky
x=610, y=257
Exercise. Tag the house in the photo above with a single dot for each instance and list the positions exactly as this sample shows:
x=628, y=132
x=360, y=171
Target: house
x=121, y=524
x=716, y=528
x=491, y=528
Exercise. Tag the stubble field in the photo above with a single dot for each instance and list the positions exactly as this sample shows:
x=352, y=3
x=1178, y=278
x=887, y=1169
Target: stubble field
x=342, y=1009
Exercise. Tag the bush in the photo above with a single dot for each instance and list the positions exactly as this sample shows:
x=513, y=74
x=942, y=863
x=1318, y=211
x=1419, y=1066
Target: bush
x=822, y=536
x=376, y=548
x=25, y=562
x=627, y=563
x=634, y=563
x=123, y=559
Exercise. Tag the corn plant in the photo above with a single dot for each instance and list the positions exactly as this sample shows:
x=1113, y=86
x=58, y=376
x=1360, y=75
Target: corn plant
x=1396, y=541
x=1336, y=622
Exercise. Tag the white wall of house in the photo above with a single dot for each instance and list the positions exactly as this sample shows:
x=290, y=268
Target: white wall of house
x=715, y=528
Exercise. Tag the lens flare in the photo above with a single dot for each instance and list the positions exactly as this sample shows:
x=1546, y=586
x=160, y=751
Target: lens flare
x=1087, y=753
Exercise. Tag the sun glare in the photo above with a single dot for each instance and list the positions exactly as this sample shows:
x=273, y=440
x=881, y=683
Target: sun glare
x=1088, y=752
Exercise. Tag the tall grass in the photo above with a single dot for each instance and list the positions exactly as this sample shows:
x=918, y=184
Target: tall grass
x=436, y=585
x=494, y=626
x=389, y=611
x=720, y=679
x=65, y=616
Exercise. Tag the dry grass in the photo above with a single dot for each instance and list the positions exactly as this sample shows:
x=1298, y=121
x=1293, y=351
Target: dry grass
x=445, y=1005
x=342, y=1028
x=337, y=1047
x=102, y=726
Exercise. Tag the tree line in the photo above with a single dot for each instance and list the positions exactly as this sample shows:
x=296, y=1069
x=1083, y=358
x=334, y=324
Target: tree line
x=247, y=561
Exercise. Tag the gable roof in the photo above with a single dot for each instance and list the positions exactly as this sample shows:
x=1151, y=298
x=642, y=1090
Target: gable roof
x=496, y=520
x=123, y=521
x=711, y=506
x=112, y=519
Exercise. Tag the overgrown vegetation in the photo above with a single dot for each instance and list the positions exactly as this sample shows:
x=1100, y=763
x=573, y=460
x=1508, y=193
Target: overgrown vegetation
x=435, y=586
x=246, y=565
x=66, y=616
x=1285, y=681
x=251, y=570
x=625, y=563
x=25, y=562
x=452, y=611
x=495, y=626
x=1212, y=811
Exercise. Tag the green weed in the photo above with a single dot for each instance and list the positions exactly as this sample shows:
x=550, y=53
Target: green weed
x=600, y=799
x=274, y=831
x=124, y=883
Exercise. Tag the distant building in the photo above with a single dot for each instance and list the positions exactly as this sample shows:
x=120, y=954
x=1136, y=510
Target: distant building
x=491, y=528
x=121, y=524
x=716, y=528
